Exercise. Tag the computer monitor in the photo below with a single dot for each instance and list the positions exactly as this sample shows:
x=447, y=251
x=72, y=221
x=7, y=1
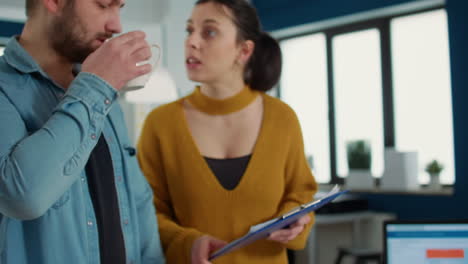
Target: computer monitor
x=426, y=242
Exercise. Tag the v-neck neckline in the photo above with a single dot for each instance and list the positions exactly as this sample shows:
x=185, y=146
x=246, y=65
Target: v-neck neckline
x=208, y=174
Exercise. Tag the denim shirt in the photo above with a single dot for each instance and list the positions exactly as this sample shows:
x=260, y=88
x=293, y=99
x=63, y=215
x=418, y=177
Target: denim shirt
x=46, y=137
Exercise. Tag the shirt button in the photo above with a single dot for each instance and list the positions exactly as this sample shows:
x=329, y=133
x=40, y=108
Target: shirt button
x=93, y=136
x=107, y=101
x=125, y=222
x=90, y=223
x=83, y=179
x=119, y=179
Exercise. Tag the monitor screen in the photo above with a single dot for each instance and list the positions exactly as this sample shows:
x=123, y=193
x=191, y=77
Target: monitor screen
x=426, y=242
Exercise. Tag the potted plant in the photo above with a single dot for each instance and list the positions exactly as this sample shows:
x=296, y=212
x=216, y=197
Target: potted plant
x=434, y=168
x=359, y=164
x=359, y=155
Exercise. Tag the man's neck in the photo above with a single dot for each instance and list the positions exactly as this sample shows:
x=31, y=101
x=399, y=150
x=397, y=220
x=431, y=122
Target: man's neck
x=36, y=43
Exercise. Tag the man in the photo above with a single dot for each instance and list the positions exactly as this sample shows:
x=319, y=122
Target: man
x=70, y=187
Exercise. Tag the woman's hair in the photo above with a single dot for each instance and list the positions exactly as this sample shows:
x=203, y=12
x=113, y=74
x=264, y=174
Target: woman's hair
x=263, y=70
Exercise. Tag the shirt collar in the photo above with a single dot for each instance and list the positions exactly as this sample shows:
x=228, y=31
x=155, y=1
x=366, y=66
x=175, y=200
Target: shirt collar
x=17, y=57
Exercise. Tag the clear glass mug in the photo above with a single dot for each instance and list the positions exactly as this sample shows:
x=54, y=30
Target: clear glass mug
x=140, y=81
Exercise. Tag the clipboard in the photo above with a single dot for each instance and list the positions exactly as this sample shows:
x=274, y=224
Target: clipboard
x=264, y=229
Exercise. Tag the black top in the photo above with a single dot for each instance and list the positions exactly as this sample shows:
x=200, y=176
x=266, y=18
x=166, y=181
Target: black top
x=229, y=171
x=100, y=174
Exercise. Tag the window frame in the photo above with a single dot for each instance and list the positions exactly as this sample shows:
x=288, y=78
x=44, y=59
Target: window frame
x=382, y=24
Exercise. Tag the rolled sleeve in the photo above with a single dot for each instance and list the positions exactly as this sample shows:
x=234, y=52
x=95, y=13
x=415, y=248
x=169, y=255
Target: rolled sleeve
x=93, y=91
x=57, y=151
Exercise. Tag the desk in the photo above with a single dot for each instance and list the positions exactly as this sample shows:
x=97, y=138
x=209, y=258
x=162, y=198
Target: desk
x=358, y=229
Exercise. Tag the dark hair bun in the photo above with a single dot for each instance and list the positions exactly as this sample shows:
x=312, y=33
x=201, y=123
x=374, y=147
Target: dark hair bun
x=265, y=64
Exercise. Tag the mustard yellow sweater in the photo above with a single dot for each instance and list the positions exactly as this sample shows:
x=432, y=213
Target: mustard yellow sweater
x=191, y=202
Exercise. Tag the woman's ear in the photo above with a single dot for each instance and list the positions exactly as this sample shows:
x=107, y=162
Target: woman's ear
x=246, y=51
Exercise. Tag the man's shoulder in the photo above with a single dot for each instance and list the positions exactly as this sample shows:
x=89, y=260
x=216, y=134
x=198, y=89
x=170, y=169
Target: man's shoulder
x=11, y=81
x=8, y=74
x=5, y=68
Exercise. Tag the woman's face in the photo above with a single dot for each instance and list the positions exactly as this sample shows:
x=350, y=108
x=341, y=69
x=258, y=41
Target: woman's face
x=212, y=52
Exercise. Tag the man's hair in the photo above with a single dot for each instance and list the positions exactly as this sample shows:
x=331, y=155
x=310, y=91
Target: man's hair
x=30, y=6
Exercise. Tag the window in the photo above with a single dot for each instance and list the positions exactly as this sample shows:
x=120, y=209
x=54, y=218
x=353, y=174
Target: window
x=358, y=95
x=421, y=74
x=304, y=88
x=386, y=81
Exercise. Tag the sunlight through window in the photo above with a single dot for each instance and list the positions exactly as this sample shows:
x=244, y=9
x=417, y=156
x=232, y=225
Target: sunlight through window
x=304, y=88
x=358, y=93
x=422, y=91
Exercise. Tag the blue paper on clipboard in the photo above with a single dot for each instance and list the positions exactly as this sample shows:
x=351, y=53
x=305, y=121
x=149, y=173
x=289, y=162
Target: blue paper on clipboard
x=264, y=229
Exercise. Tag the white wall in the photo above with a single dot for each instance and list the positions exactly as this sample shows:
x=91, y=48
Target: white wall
x=175, y=25
x=164, y=22
x=12, y=13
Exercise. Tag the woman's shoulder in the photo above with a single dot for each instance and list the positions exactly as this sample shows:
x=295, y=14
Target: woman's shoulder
x=279, y=108
x=166, y=110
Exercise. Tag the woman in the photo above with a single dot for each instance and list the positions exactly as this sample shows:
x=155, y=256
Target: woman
x=227, y=156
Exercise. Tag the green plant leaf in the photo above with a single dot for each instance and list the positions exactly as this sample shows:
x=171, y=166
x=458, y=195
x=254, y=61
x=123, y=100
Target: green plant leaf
x=359, y=155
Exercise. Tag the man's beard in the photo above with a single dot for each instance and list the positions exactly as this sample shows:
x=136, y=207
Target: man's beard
x=68, y=37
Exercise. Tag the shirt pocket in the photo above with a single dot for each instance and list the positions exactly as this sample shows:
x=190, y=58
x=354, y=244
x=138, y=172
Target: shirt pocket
x=130, y=160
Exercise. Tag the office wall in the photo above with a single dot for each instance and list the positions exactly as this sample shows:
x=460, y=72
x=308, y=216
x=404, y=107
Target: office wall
x=293, y=13
x=175, y=39
x=12, y=18
x=278, y=14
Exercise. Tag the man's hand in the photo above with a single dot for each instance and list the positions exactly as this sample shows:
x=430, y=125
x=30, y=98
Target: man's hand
x=288, y=234
x=203, y=247
x=115, y=61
